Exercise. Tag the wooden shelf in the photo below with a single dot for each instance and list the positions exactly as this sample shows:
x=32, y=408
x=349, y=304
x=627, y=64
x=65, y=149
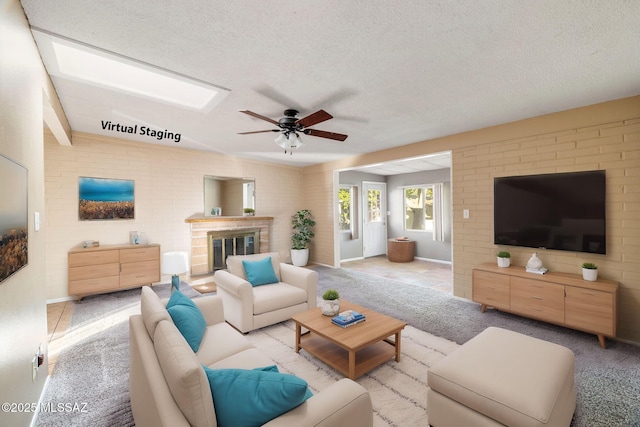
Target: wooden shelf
x=560, y=298
x=110, y=268
x=337, y=357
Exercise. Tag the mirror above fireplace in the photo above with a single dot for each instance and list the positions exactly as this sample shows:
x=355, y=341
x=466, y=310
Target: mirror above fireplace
x=228, y=196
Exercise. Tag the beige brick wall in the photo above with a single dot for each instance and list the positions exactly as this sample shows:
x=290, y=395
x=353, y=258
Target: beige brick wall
x=600, y=137
x=168, y=189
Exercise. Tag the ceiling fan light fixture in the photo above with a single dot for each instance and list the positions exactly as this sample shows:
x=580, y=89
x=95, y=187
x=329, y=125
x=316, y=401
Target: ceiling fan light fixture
x=288, y=141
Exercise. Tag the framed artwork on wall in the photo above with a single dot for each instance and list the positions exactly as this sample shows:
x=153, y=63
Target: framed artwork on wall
x=105, y=198
x=14, y=233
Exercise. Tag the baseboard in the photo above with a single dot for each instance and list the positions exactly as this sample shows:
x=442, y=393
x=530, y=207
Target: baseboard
x=439, y=261
x=34, y=419
x=352, y=259
x=63, y=299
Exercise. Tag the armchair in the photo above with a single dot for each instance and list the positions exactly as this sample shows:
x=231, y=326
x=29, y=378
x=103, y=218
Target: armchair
x=248, y=307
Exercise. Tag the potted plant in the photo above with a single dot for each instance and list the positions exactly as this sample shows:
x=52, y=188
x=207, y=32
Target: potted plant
x=330, y=304
x=589, y=271
x=302, y=224
x=249, y=211
x=504, y=259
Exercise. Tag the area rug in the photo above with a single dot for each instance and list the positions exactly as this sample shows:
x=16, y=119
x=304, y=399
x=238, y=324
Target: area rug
x=398, y=389
x=607, y=380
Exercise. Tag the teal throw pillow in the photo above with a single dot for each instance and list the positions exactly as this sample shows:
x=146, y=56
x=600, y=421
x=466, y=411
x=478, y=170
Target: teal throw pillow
x=260, y=272
x=244, y=398
x=188, y=319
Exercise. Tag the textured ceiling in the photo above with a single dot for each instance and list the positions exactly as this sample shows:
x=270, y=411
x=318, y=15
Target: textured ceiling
x=391, y=73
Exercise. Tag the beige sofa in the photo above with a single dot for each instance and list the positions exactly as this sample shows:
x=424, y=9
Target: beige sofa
x=248, y=308
x=168, y=385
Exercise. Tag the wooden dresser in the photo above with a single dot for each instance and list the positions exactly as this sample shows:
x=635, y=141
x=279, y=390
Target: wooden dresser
x=110, y=268
x=561, y=298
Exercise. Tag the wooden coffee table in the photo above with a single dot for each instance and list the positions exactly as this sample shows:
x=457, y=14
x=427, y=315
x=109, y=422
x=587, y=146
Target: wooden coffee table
x=355, y=350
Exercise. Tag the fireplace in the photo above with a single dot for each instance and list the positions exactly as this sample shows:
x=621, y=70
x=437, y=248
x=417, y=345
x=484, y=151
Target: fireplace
x=221, y=244
x=213, y=239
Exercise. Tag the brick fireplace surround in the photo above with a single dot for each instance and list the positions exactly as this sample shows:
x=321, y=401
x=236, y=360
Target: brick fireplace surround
x=202, y=225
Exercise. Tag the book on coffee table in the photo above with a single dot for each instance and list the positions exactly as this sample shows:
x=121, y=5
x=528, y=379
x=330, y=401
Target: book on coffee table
x=348, y=318
x=346, y=325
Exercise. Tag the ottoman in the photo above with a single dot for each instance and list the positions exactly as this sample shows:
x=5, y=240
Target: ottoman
x=501, y=377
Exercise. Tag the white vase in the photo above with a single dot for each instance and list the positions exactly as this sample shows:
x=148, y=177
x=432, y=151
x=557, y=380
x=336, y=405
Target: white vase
x=299, y=257
x=504, y=262
x=330, y=307
x=590, y=274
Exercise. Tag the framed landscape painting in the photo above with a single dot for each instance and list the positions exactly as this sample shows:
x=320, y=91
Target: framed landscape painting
x=14, y=233
x=104, y=198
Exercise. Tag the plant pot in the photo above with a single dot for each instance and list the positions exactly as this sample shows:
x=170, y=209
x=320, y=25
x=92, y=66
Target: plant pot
x=299, y=257
x=330, y=307
x=504, y=262
x=590, y=274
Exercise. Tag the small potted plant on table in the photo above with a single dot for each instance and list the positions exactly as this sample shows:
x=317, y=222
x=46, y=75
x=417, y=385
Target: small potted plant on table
x=504, y=259
x=330, y=304
x=589, y=271
x=249, y=211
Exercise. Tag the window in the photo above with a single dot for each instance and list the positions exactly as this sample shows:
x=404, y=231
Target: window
x=423, y=209
x=347, y=218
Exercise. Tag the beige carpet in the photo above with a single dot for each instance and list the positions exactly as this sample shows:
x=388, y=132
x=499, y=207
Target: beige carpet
x=398, y=389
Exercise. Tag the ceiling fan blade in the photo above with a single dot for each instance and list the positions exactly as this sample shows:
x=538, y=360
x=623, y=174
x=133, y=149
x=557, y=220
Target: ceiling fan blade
x=258, y=116
x=314, y=118
x=325, y=134
x=258, y=131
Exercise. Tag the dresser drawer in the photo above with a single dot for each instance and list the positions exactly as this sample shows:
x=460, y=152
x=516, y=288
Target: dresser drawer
x=94, y=285
x=139, y=273
x=540, y=300
x=491, y=289
x=93, y=271
x=139, y=254
x=79, y=259
x=590, y=310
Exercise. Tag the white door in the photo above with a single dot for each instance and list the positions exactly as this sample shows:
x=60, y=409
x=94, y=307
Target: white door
x=374, y=230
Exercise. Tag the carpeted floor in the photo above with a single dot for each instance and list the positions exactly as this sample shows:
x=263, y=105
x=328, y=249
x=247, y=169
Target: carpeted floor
x=93, y=365
x=92, y=371
x=607, y=380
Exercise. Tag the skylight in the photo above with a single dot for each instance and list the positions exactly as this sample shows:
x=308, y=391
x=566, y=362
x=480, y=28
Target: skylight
x=79, y=62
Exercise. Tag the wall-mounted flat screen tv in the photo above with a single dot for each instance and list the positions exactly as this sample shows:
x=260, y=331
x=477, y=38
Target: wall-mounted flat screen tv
x=561, y=211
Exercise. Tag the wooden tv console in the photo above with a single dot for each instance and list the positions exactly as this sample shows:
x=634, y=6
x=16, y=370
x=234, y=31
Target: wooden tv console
x=109, y=268
x=564, y=299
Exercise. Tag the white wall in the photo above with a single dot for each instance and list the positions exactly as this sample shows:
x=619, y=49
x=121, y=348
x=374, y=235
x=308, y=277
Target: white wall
x=23, y=312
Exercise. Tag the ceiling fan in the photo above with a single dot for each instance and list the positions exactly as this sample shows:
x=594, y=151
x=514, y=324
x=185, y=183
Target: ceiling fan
x=290, y=126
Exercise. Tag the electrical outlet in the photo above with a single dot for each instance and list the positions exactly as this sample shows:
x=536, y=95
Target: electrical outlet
x=34, y=367
x=36, y=362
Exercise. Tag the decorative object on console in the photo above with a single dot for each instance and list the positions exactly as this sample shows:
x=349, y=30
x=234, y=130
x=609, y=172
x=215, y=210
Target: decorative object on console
x=249, y=211
x=175, y=263
x=134, y=238
x=534, y=265
x=302, y=224
x=330, y=305
x=504, y=259
x=589, y=271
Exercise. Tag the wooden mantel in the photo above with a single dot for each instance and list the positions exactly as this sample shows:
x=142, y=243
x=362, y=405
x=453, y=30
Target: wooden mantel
x=202, y=218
